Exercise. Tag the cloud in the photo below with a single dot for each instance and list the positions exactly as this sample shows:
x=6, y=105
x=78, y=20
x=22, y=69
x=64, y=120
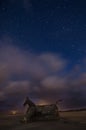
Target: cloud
x=24, y=73
x=29, y=70
x=37, y=66
x=54, y=82
x=14, y=93
x=4, y=74
x=53, y=61
x=17, y=87
x=15, y=60
x=82, y=79
x=2, y=96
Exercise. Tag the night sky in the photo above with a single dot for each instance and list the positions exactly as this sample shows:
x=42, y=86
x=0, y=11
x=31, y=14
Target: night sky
x=43, y=52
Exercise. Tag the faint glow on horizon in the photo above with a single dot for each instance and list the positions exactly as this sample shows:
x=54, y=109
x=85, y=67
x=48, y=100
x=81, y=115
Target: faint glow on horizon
x=13, y=112
x=42, y=102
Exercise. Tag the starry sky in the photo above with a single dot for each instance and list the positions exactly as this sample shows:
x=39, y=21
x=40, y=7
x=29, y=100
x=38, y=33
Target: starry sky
x=43, y=52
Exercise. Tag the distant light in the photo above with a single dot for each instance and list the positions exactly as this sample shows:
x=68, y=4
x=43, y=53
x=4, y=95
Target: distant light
x=14, y=112
x=42, y=102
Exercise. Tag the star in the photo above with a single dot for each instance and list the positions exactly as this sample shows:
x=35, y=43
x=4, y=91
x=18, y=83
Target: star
x=79, y=61
x=3, y=8
x=73, y=46
x=46, y=22
x=79, y=50
x=58, y=7
x=63, y=28
x=64, y=7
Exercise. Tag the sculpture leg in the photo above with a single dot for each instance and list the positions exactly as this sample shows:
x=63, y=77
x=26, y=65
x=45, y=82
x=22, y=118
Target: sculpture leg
x=30, y=114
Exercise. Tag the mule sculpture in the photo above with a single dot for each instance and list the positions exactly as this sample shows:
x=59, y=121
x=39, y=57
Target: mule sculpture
x=40, y=112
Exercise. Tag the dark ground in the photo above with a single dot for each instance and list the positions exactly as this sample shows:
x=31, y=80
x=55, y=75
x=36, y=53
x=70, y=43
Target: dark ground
x=69, y=121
